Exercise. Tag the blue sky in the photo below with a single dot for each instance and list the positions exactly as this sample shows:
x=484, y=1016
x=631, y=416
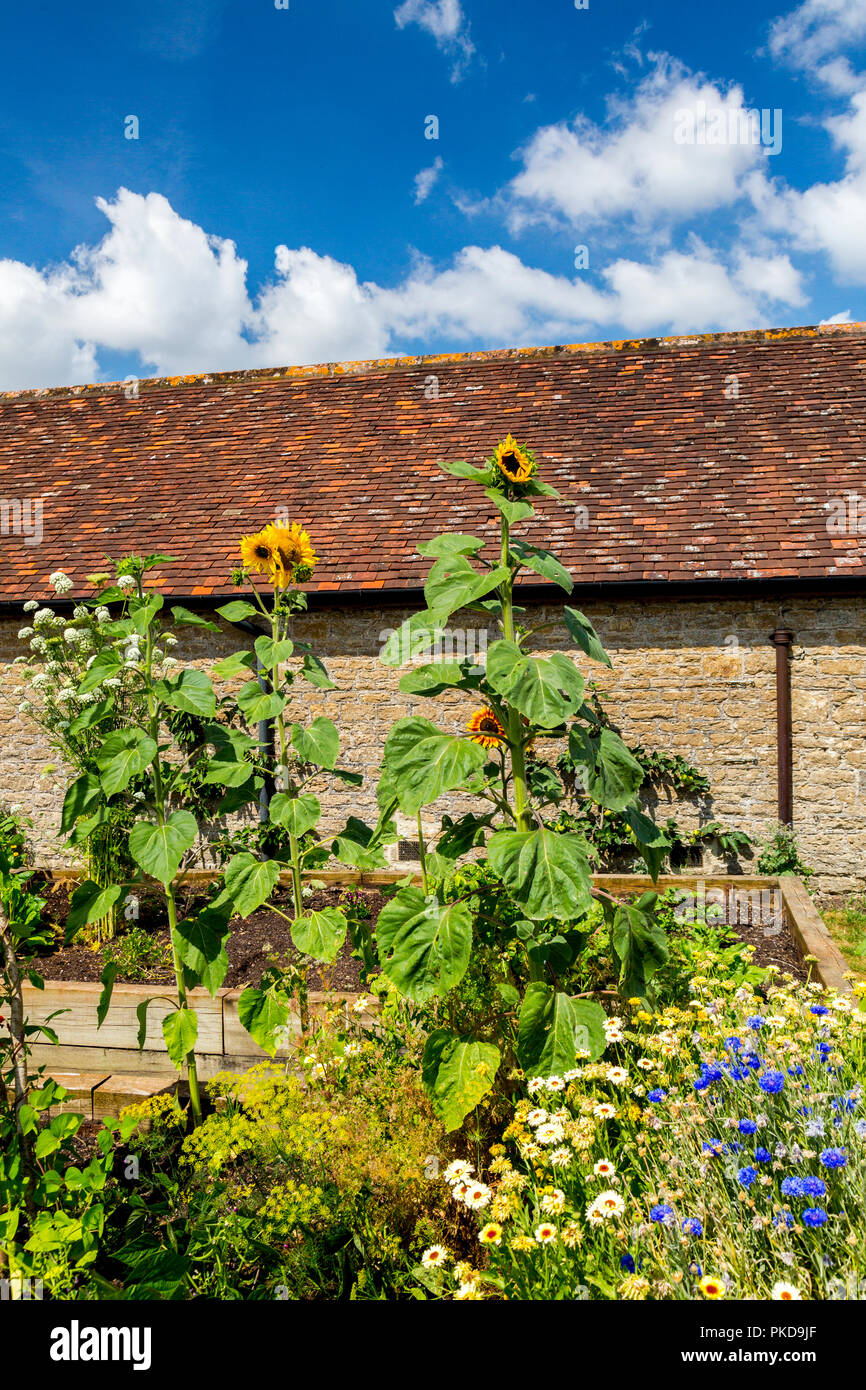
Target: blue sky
x=281, y=203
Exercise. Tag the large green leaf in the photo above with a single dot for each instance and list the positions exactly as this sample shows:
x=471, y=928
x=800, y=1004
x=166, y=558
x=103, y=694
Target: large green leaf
x=424, y=946
x=453, y=583
x=543, y=562
x=553, y=1028
x=238, y=664
x=450, y=543
x=297, y=814
x=546, y=689
x=180, y=1030
x=238, y=610
x=106, y=979
x=107, y=663
x=438, y=676
x=183, y=617
x=362, y=848
x=318, y=744
x=584, y=634
x=143, y=611
x=546, y=873
x=200, y=943
x=81, y=796
x=229, y=766
x=250, y=881
x=514, y=512
x=461, y=836
x=652, y=842
x=613, y=775
x=415, y=638
x=425, y=763
x=90, y=903
x=273, y=653
x=458, y=1072
x=123, y=755
x=320, y=934
x=259, y=704
x=461, y=469
x=264, y=1013
x=640, y=944
x=190, y=691
x=314, y=670
x=92, y=715
x=159, y=849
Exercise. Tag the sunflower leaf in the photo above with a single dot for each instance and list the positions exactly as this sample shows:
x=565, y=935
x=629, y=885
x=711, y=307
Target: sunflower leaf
x=320, y=934
x=190, y=691
x=458, y=1072
x=425, y=763
x=236, y=611
x=424, y=946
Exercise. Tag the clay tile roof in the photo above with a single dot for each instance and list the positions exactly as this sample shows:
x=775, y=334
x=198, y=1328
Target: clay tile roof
x=703, y=458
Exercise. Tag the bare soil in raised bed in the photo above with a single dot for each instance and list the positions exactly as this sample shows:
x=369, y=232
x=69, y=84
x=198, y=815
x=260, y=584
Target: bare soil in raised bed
x=251, y=944
x=254, y=939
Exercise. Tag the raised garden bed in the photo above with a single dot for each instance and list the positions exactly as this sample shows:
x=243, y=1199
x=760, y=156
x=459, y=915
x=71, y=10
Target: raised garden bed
x=796, y=931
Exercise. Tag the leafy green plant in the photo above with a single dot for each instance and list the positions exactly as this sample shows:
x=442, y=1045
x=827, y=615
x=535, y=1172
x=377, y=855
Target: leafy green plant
x=135, y=954
x=780, y=854
x=426, y=936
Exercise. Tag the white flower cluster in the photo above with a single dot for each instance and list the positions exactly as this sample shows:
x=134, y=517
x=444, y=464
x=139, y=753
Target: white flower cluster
x=61, y=582
x=474, y=1195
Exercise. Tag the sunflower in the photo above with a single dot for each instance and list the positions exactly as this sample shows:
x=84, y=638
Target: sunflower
x=513, y=461
x=257, y=553
x=293, y=551
x=283, y=553
x=486, y=729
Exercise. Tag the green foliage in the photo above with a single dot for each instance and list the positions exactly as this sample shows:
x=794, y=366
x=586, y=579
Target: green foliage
x=136, y=954
x=780, y=854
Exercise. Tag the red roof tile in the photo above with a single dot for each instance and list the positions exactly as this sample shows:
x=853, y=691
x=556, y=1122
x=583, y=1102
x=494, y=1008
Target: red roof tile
x=681, y=483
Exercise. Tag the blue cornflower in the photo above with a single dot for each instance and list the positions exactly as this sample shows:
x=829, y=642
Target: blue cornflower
x=735, y=1147
x=844, y=1103
x=823, y=1048
x=746, y=1176
x=663, y=1214
x=814, y=1187
x=771, y=1082
x=747, y=1127
x=783, y=1218
x=733, y=1044
x=737, y=1073
x=715, y=1148
x=692, y=1226
x=818, y=1009
x=814, y=1216
x=792, y=1187
x=627, y=1264
x=701, y=1084
x=751, y=1059
x=795, y=1070
x=657, y=1095
x=756, y=1023
x=711, y=1071
x=833, y=1158
x=762, y=1155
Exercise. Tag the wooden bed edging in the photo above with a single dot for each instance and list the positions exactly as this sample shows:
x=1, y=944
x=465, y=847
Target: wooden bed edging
x=225, y=1045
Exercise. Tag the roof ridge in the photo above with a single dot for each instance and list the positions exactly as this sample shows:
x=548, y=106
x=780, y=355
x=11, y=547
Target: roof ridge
x=264, y=375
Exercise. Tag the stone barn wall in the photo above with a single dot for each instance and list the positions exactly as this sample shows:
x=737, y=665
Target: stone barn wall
x=690, y=677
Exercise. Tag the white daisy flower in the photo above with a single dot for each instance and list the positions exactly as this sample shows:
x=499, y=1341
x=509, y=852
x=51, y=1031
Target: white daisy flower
x=604, y=1207
x=434, y=1256
x=785, y=1293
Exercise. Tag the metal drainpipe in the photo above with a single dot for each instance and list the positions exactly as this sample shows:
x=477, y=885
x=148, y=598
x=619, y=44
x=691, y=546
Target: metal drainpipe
x=265, y=726
x=782, y=639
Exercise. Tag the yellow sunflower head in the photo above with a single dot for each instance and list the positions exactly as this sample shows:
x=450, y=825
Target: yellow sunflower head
x=515, y=462
x=283, y=553
x=257, y=553
x=486, y=729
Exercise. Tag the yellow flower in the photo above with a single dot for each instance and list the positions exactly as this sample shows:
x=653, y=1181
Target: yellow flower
x=711, y=1287
x=283, y=553
x=513, y=461
x=491, y=1234
x=486, y=729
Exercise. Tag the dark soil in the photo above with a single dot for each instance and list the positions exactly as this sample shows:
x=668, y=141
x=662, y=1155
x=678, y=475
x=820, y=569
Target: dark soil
x=265, y=934
x=253, y=940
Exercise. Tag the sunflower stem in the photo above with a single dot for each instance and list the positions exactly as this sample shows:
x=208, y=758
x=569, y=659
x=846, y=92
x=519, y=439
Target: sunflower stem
x=514, y=724
x=422, y=854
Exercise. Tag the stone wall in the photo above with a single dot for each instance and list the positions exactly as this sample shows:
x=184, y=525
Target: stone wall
x=691, y=677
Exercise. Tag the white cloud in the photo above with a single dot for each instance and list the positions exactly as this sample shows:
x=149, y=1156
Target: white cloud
x=159, y=286
x=633, y=166
x=843, y=317
x=447, y=23
x=426, y=178
x=816, y=30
